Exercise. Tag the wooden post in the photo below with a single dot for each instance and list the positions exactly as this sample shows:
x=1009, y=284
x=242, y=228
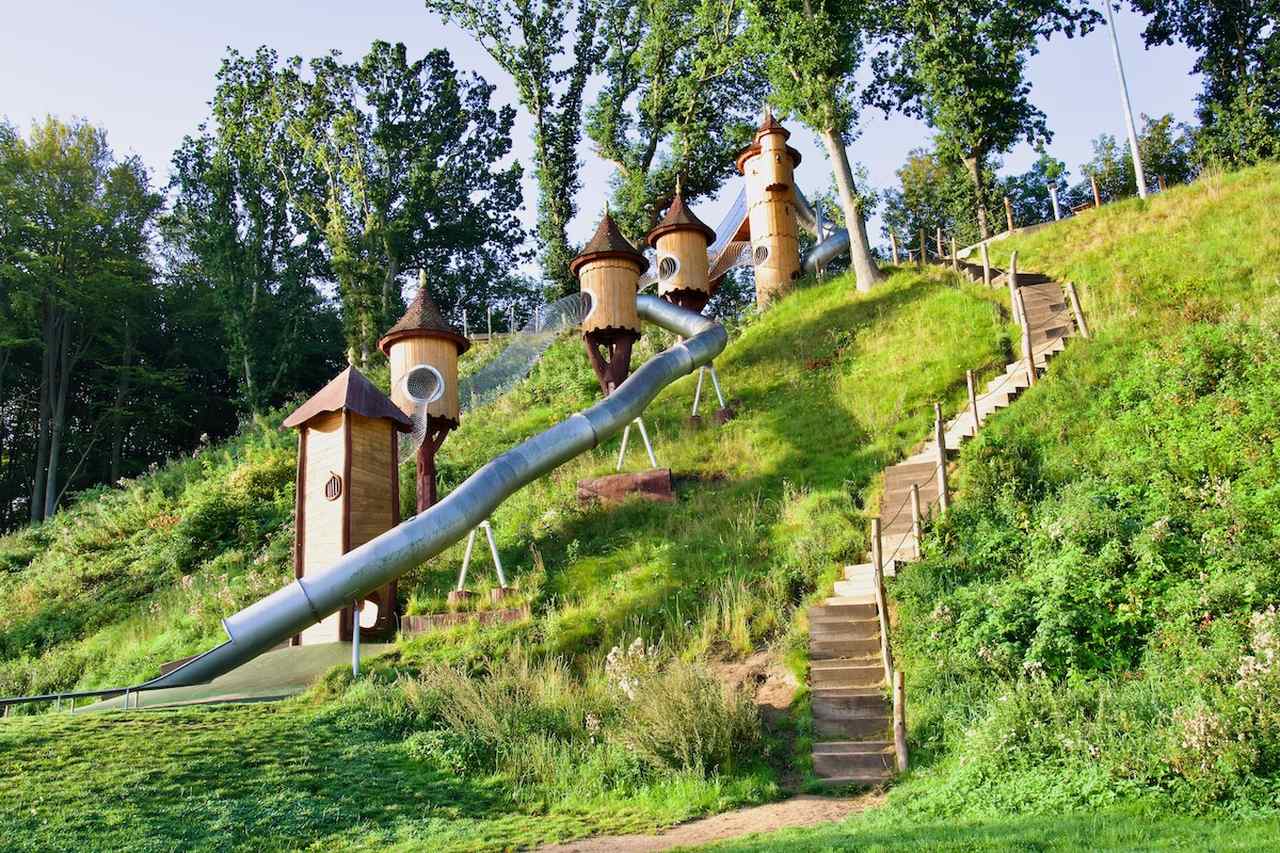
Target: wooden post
x=1026, y=342
x=938, y=238
x=1053, y=199
x=1013, y=290
x=1008, y=212
x=877, y=561
x=1075, y=308
x=1097, y=197
x=900, y=720
x=917, y=523
x=939, y=435
x=921, y=259
x=986, y=265
x=893, y=245
x=973, y=399
x=955, y=258
x=488, y=320
x=1160, y=182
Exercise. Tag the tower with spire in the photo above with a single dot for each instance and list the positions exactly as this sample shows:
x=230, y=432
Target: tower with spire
x=423, y=345
x=681, y=240
x=768, y=164
x=608, y=271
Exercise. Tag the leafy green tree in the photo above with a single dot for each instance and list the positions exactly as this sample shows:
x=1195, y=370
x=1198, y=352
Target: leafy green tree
x=812, y=50
x=1111, y=167
x=679, y=96
x=1238, y=42
x=550, y=48
x=400, y=168
x=1167, y=148
x=1028, y=193
x=230, y=237
x=961, y=66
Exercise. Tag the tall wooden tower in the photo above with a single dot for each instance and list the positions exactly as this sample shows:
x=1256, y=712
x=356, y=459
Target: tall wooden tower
x=769, y=166
x=348, y=489
x=608, y=269
x=423, y=350
x=681, y=240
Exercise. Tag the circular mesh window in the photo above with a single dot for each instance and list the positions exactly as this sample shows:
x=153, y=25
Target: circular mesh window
x=761, y=254
x=424, y=384
x=667, y=267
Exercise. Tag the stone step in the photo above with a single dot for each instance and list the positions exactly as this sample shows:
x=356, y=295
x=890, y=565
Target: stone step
x=857, y=729
x=856, y=588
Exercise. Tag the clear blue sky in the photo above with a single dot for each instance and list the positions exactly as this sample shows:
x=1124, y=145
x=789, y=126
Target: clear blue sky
x=144, y=71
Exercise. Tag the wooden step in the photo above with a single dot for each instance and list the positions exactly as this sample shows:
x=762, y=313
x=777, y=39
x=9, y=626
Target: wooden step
x=841, y=610
x=845, y=674
x=866, y=699
x=830, y=765
x=844, y=631
x=868, y=647
x=857, y=729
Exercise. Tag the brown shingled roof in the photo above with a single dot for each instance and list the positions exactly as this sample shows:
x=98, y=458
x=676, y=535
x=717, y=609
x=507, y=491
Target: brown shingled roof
x=350, y=391
x=767, y=126
x=771, y=125
x=680, y=218
x=608, y=242
x=423, y=320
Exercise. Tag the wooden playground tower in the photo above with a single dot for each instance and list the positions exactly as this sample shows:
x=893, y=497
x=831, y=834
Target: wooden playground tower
x=769, y=164
x=608, y=271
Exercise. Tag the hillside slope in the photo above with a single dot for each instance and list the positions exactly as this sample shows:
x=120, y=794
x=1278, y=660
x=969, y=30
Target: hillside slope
x=541, y=718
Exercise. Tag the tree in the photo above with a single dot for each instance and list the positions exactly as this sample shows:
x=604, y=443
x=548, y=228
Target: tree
x=231, y=238
x=678, y=100
x=1111, y=168
x=1239, y=46
x=527, y=39
x=1166, y=148
x=1028, y=193
x=961, y=66
x=400, y=168
x=812, y=50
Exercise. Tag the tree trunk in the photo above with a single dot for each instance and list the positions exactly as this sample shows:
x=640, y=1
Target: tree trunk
x=974, y=165
x=388, y=286
x=42, y=441
x=864, y=265
x=122, y=393
x=58, y=399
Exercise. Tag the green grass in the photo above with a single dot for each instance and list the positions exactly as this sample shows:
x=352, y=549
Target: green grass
x=1107, y=830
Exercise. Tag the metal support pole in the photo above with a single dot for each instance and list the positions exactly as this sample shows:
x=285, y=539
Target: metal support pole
x=1075, y=308
x=939, y=434
x=917, y=523
x=1138, y=173
x=466, y=560
x=1026, y=342
x=697, y=392
x=715, y=383
x=893, y=245
x=1053, y=199
x=355, y=639
x=644, y=436
x=493, y=552
x=986, y=265
x=882, y=605
x=973, y=400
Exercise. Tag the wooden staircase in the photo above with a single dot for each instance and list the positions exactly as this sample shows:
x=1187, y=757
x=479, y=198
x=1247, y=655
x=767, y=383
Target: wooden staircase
x=852, y=712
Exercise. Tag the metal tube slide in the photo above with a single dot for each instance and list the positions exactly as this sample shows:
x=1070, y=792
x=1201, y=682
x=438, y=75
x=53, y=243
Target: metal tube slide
x=287, y=611
x=829, y=249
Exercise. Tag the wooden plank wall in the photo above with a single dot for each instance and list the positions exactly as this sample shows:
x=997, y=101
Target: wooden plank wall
x=612, y=285
x=441, y=354
x=690, y=249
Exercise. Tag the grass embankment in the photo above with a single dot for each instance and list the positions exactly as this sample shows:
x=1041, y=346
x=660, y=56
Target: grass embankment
x=1095, y=625
x=529, y=721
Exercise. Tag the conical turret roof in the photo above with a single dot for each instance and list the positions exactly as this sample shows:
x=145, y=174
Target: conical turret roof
x=608, y=242
x=768, y=125
x=350, y=391
x=680, y=218
x=771, y=125
x=423, y=320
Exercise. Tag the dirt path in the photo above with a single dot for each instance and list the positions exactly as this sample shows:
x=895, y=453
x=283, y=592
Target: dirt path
x=800, y=811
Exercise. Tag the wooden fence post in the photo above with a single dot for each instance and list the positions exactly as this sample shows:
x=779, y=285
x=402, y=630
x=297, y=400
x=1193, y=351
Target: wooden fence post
x=917, y=524
x=986, y=265
x=1097, y=197
x=955, y=257
x=877, y=561
x=893, y=244
x=973, y=399
x=1008, y=212
x=1160, y=182
x=921, y=260
x=939, y=434
x=938, y=238
x=1075, y=308
x=1026, y=342
x=900, y=720
x=1012, y=275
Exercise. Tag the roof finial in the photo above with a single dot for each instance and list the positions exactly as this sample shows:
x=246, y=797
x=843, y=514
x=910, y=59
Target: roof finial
x=679, y=190
x=768, y=112
x=422, y=278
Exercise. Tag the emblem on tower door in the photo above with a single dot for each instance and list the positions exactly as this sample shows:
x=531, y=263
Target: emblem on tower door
x=333, y=488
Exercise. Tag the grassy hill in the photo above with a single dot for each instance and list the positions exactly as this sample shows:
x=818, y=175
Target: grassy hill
x=490, y=727
x=1092, y=627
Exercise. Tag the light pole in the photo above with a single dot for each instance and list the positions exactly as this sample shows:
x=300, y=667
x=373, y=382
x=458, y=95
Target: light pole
x=1124, y=99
